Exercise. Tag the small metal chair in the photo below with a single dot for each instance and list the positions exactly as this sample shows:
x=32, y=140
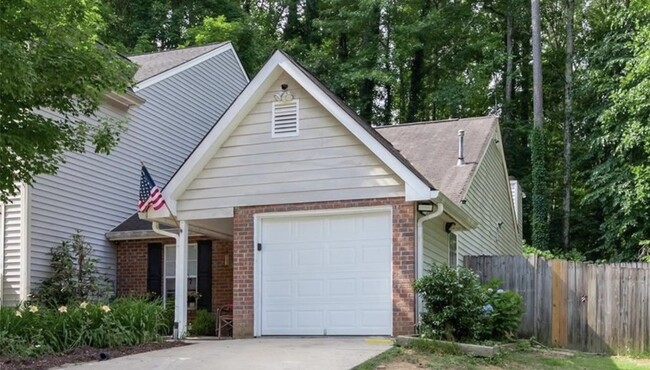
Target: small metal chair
x=224, y=319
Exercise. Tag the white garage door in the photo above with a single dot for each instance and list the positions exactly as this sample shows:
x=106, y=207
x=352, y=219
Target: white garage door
x=326, y=275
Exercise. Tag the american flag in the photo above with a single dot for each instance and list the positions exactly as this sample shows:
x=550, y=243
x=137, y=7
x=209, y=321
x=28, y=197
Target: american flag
x=150, y=195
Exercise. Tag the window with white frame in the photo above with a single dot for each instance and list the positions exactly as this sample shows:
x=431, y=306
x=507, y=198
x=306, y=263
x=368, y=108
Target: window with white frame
x=453, y=252
x=169, y=284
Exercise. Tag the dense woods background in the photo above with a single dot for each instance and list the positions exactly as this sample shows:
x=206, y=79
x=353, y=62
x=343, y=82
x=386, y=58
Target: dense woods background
x=413, y=60
x=398, y=61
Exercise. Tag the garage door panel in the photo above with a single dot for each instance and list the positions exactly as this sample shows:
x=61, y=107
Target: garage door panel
x=310, y=288
x=342, y=288
x=327, y=275
x=310, y=257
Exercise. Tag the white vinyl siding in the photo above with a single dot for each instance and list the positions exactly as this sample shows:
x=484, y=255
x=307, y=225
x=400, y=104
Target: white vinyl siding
x=435, y=249
x=325, y=162
x=94, y=193
x=453, y=249
x=489, y=201
x=11, y=222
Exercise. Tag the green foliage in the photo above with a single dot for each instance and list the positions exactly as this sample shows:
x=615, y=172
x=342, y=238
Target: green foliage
x=620, y=181
x=458, y=308
x=50, y=60
x=540, y=204
x=169, y=315
x=453, y=300
x=203, y=324
x=572, y=255
x=32, y=330
x=504, y=309
x=74, y=275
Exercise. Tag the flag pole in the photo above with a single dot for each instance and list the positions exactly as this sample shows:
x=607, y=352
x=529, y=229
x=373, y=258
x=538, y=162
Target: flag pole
x=167, y=206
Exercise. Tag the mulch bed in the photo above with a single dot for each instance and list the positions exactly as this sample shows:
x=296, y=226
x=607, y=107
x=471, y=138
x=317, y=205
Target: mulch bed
x=81, y=354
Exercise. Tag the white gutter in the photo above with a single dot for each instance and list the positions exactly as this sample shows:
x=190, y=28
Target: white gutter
x=419, y=255
x=155, y=226
x=180, y=297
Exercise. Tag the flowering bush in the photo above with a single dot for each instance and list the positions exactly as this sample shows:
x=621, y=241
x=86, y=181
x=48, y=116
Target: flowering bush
x=453, y=302
x=504, y=312
x=458, y=308
x=34, y=330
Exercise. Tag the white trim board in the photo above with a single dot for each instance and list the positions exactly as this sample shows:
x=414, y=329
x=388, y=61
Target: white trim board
x=25, y=243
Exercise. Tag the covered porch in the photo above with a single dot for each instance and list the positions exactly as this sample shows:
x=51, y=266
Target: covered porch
x=149, y=256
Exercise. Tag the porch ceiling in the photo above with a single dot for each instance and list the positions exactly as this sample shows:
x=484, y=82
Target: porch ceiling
x=136, y=228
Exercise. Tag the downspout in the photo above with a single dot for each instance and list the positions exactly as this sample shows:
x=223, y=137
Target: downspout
x=419, y=260
x=180, y=297
x=156, y=229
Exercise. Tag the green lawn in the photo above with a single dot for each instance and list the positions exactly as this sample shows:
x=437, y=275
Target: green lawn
x=399, y=358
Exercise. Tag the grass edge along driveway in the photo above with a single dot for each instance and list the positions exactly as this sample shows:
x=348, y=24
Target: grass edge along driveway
x=432, y=355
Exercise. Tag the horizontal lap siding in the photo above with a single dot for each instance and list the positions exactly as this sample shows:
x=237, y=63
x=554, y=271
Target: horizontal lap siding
x=11, y=222
x=325, y=162
x=489, y=201
x=95, y=193
x=436, y=249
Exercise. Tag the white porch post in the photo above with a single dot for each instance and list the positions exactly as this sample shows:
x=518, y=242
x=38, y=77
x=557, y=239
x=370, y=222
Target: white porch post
x=180, y=299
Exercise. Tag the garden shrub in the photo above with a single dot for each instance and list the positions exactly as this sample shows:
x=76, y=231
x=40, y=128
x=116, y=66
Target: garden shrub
x=33, y=330
x=504, y=309
x=74, y=275
x=203, y=324
x=453, y=300
x=458, y=308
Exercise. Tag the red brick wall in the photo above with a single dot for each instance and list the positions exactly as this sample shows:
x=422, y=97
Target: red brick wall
x=132, y=268
x=403, y=259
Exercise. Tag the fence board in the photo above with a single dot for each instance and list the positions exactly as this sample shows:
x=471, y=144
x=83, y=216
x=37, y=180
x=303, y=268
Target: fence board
x=594, y=308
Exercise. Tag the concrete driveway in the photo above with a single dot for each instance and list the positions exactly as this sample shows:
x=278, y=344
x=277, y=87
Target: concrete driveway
x=283, y=353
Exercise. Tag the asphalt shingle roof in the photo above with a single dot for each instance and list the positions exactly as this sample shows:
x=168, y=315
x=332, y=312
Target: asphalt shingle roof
x=152, y=64
x=432, y=148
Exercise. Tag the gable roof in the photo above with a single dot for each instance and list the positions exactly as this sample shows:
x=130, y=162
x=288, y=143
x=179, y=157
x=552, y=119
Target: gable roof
x=153, y=64
x=381, y=139
x=417, y=187
x=432, y=147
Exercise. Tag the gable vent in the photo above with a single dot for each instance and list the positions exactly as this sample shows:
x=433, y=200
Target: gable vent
x=285, y=119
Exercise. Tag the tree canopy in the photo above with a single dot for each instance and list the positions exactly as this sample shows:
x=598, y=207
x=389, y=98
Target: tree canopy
x=393, y=62
x=50, y=60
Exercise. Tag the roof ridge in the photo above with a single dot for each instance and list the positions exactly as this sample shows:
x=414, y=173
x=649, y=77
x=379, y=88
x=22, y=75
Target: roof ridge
x=434, y=122
x=178, y=49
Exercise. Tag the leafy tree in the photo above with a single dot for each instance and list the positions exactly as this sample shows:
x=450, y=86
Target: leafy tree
x=620, y=182
x=149, y=25
x=50, y=60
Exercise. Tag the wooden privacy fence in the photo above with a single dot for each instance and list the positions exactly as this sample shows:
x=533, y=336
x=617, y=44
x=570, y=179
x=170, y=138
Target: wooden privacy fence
x=582, y=306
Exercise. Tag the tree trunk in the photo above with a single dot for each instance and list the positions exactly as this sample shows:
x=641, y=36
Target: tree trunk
x=508, y=83
x=538, y=111
x=418, y=72
x=568, y=123
x=292, y=28
x=370, y=47
x=540, y=209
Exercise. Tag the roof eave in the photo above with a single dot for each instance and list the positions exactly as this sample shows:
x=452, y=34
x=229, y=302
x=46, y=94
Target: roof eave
x=464, y=219
x=126, y=99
